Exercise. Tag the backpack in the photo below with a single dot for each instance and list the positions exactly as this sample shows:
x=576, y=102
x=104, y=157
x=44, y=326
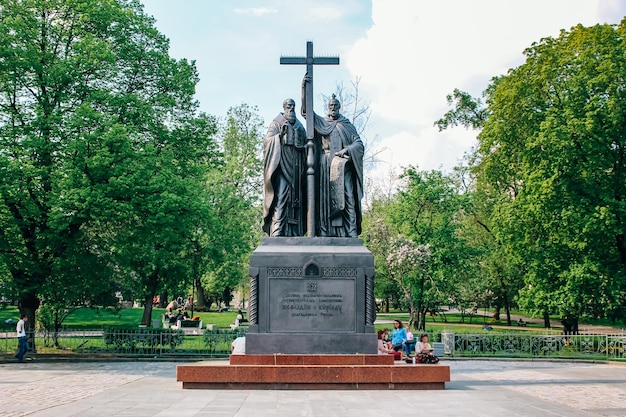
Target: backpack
x=428, y=359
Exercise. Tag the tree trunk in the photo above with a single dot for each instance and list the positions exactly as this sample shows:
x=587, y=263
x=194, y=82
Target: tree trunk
x=574, y=321
x=496, y=313
x=421, y=308
x=443, y=316
x=201, y=301
x=28, y=304
x=146, y=319
x=421, y=314
x=507, y=308
x=163, y=300
x=227, y=296
x=546, y=320
x=505, y=296
x=57, y=328
x=151, y=289
x=570, y=325
x=413, y=315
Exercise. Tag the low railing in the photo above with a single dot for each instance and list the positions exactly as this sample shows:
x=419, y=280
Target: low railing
x=216, y=344
x=520, y=345
x=124, y=342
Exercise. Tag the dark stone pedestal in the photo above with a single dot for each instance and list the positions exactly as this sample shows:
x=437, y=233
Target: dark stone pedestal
x=311, y=296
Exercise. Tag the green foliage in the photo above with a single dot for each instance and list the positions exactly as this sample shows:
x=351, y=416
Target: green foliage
x=414, y=238
x=235, y=193
x=467, y=111
x=552, y=161
x=108, y=172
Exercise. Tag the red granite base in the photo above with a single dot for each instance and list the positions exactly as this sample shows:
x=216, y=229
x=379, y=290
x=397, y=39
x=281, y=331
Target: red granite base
x=312, y=372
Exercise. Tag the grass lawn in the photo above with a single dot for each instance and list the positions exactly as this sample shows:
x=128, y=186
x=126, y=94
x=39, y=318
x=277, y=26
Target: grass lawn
x=470, y=324
x=86, y=318
x=8, y=312
x=94, y=319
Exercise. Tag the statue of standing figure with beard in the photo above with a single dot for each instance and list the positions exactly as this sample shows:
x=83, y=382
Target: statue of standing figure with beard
x=339, y=166
x=284, y=160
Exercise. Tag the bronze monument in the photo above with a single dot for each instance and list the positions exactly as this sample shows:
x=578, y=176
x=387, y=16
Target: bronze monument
x=313, y=294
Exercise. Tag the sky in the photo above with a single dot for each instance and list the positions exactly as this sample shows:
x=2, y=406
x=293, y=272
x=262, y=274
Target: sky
x=408, y=54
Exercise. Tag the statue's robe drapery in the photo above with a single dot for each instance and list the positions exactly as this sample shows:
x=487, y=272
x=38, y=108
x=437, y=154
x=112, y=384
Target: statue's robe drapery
x=338, y=215
x=284, y=160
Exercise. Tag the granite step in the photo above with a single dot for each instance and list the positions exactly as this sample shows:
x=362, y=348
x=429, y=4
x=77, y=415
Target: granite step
x=312, y=372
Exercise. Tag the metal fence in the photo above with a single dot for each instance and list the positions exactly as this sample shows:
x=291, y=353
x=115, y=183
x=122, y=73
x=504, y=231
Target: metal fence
x=135, y=343
x=216, y=344
x=527, y=345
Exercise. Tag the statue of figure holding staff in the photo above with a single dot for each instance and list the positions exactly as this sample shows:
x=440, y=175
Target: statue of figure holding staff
x=339, y=170
x=284, y=160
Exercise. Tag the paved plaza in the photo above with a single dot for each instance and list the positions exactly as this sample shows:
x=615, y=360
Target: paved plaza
x=478, y=388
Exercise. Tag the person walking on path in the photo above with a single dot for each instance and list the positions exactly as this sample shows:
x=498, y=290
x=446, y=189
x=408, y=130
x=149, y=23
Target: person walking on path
x=22, y=346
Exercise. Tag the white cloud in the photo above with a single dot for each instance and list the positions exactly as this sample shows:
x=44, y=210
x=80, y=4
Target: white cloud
x=608, y=9
x=417, y=52
x=255, y=11
x=426, y=148
x=325, y=13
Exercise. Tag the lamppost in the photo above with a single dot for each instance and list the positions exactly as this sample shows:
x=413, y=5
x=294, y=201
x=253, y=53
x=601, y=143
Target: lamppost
x=195, y=274
x=193, y=292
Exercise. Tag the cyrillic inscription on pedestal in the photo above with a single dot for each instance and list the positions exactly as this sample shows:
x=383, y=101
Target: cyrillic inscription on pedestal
x=319, y=305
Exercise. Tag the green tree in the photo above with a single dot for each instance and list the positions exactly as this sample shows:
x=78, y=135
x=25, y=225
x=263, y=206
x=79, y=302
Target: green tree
x=501, y=271
x=430, y=212
x=169, y=207
x=376, y=236
x=413, y=236
x=234, y=191
x=554, y=143
x=97, y=124
x=499, y=268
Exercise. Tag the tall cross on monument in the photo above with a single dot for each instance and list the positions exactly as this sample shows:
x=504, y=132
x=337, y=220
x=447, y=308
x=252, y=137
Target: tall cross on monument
x=309, y=61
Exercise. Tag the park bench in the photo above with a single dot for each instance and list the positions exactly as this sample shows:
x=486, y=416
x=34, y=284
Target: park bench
x=191, y=327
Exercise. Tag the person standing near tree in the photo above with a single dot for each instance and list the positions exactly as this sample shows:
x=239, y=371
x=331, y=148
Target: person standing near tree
x=284, y=161
x=22, y=345
x=339, y=152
